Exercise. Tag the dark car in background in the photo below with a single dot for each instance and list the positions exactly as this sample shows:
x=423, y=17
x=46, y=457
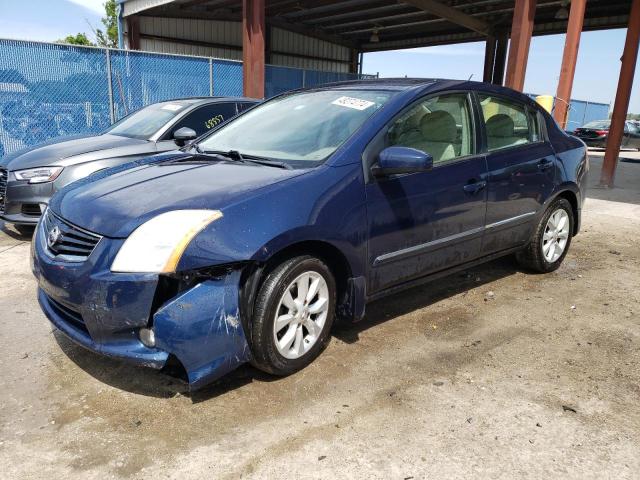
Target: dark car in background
x=245, y=245
x=28, y=178
x=595, y=134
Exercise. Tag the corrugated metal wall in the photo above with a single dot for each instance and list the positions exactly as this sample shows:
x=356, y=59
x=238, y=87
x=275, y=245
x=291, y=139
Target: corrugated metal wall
x=289, y=49
x=206, y=31
x=335, y=57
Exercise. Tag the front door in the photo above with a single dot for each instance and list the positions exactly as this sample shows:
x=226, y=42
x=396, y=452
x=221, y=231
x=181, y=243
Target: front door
x=521, y=166
x=424, y=222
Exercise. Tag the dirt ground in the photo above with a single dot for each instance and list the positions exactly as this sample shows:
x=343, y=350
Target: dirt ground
x=490, y=373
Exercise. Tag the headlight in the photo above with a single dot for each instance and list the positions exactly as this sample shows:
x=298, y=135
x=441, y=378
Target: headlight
x=39, y=175
x=157, y=245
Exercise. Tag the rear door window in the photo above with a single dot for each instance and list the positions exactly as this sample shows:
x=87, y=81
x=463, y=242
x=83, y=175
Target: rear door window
x=205, y=118
x=507, y=123
x=243, y=106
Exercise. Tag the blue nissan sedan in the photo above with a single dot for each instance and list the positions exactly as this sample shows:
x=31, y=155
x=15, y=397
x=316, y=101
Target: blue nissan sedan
x=247, y=245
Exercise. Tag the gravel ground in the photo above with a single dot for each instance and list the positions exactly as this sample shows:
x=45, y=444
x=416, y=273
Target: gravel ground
x=490, y=373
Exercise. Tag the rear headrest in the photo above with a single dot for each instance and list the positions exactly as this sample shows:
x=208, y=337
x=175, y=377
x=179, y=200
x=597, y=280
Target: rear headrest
x=500, y=125
x=439, y=126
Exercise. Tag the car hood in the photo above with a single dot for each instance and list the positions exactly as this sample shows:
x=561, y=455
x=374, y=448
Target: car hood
x=69, y=150
x=117, y=204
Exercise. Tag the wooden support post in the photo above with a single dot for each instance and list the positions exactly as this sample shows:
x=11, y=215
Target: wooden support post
x=621, y=104
x=569, y=59
x=253, y=43
x=521, y=30
x=354, y=55
x=133, y=32
x=489, y=58
x=501, y=59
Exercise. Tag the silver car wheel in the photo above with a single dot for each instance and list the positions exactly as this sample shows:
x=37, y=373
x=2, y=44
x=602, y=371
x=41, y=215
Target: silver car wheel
x=556, y=235
x=301, y=315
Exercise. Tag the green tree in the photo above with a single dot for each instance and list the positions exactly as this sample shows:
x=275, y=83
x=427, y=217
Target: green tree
x=104, y=38
x=77, y=39
x=109, y=36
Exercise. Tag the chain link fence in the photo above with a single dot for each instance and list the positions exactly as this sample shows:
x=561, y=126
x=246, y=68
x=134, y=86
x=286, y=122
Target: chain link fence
x=49, y=90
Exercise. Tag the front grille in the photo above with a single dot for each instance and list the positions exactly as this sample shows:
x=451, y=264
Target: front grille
x=31, y=209
x=3, y=189
x=69, y=315
x=67, y=241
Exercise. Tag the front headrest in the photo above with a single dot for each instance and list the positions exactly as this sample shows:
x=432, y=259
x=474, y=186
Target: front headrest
x=500, y=125
x=439, y=126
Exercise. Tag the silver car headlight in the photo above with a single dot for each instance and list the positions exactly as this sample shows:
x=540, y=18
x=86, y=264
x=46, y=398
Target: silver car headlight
x=157, y=245
x=39, y=175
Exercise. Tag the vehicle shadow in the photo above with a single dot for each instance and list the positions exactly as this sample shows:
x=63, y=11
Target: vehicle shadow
x=24, y=235
x=149, y=382
x=427, y=294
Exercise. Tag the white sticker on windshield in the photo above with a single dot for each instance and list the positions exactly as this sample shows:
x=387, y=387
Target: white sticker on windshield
x=355, y=103
x=172, y=106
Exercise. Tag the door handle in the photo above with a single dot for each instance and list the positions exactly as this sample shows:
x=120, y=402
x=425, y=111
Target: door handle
x=545, y=164
x=474, y=187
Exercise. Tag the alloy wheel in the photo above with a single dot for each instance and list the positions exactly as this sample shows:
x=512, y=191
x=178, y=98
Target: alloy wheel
x=556, y=235
x=301, y=315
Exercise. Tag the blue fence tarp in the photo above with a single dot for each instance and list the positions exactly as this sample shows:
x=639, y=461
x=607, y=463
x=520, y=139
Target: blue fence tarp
x=49, y=90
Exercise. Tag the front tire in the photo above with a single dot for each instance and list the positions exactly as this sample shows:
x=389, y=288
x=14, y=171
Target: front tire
x=293, y=315
x=551, y=239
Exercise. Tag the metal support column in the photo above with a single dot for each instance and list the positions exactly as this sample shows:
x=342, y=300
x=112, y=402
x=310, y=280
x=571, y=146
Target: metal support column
x=621, y=104
x=569, y=59
x=211, y=77
x=112, y=112
x=521, y=30
x=501, y=59
x=253, y=46
x=489, y=58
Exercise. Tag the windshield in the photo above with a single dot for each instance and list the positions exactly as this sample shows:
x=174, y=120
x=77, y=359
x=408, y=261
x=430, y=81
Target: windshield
x=598, y=124
x=147, y=121
x=305, y=127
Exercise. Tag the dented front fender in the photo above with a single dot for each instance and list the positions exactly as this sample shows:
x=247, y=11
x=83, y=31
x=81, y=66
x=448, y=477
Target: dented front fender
x=202, y=328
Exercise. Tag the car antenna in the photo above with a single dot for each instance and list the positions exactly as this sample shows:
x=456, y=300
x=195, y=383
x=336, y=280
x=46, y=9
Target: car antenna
x=470, y=77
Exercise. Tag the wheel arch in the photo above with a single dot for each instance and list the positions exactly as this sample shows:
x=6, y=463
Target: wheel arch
x=334, y=258
x=572, y=198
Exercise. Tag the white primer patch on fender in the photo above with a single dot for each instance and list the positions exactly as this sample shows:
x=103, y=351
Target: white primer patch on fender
x=351, y=102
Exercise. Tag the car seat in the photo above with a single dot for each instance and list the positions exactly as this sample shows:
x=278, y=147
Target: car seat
x=438, y=135
x=501, y=132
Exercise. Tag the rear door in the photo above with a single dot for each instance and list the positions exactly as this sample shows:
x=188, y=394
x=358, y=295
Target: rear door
x=423, y=222
x=201, y=120
x=521, y=166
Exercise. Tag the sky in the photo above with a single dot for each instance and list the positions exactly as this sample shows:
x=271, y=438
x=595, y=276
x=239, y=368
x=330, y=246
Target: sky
x=595, y=80
x=596, y=72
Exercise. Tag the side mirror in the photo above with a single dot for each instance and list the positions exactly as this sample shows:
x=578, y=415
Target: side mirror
x=184, y=135
x=396, y=160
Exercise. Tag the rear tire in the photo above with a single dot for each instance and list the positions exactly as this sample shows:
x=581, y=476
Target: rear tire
x=551, y=239
x=293, y=314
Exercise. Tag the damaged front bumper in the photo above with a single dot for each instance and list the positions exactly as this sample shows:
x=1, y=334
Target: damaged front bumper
x=197, y=324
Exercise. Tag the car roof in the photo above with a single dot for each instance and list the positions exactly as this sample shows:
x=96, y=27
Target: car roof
x=207, y=100
x=423, y=85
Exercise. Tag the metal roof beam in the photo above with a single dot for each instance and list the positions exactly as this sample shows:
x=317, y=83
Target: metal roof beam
x=383, y=10
x=452, y=15
x=327, y=6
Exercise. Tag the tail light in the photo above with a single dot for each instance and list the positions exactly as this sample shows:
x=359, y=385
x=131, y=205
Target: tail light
x=602, y=132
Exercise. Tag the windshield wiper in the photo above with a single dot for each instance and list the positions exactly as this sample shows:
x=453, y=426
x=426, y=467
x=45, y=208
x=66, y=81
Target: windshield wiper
x=236, y=156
